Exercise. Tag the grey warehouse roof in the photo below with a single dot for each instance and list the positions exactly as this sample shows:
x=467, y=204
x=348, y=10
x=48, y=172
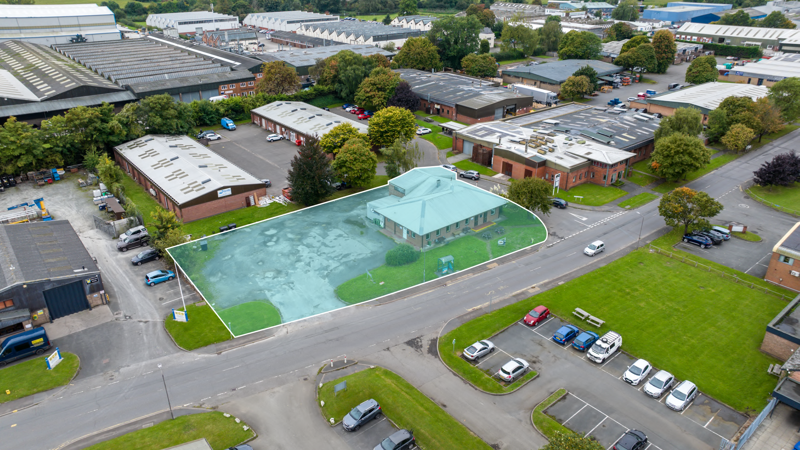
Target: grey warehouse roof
x=300, y=39
x=60, y=11
x=707, y=97
x=308, y=120
x=191, y=15
x=233, y=35
x=451, y=89
x=181, y=167
x=292, y=16
x=307, y=57
x=40, y=251
x=557, y=72
x=776, y=34
x=365, y=29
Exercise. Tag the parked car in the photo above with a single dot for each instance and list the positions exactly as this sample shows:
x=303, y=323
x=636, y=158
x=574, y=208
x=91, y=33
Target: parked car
x=674, y=86
x=24, y=344
x=266, y=182
x=347, y=105
x=726, y=235
x=585, y=340
x=715, y=238
x=633, y=99
x=594, y=248
x=536, y=315
x=423, y=130
x=632, y=440
x=702, y=241
x=399, y=440
x=450, y=167
x=146, y=256
x=135, y=231
x=565, y=334
x=350, y=108
x=140, y=240
x=356, y=110
x=360, y=415
x=472, y=174
x=605, y=347
x=158, y=276
x=339, y=185
x=213, y=136
x=637, y=372
x=227, y=124
x=659, y=384
x=560, y=203
x=241, y=447
x=681, y=396
x=274, y=137
x=716, y=233
x=364, y=115
x=203, y=134
x=513, y=369
x=478, y=350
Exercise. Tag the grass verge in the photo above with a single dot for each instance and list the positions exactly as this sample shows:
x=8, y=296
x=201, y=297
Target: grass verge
x=715, y=163
x=221, y=433
x=469, y=165
x=203, y=328
x=593, y=195
x=752, y=237
x=251, y=316
x=638, y=200
x=544, y=423
x=440, y=141
x=782, y=198
x=31, y=376
x=450, y=154
x=640, y=178
x=404, y=405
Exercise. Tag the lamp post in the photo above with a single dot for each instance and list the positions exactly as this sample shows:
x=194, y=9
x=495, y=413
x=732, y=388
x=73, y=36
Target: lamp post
x=167, y=392
x=640, y=230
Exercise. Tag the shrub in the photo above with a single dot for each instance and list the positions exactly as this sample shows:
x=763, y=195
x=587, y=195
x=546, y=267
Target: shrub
x=401, y=255
x=731, y=50
x=508, y=55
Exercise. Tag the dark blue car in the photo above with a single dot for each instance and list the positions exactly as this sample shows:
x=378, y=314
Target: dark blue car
x=566, y=333
x=585, y=340
x=702, y=241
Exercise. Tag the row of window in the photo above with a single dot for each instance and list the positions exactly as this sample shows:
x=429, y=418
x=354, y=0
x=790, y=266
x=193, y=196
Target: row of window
x=233, y=86
x=447, y=228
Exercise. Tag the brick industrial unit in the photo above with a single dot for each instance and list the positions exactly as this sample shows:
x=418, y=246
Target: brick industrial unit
x=188, y=22
x=462, y=98
x=186, y=177
x=297, y=121
x=704, y=97
x=550, y=76
x=783, y=39
x=233, y=39
x=784, y=265
x=764, y=72
x=47, y=274
x=57, y=24
x=302, y=60
x=285, y=20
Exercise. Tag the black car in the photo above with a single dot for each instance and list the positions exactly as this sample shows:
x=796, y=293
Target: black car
x=146, y=256
x=266, y=182
x=361, y=414
x=560, y=203
x=632, y=440
x=713, y=236
x=400, y=440
x=140, y=240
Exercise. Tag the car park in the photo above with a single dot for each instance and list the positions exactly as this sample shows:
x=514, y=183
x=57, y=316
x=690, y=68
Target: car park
x=565, y=334
x=471, y=174
x=347, y=105
x=715, y=238
x=681, y=396
x=594, y=248
x=560, y=203
x=513, y=369
x=632, y=440
x=158, y=276
x=605, y=347
x=423, y=130
x=536, y=315
x=585, y=340
x=659, y=384
x=364, y=116
x=637, y=372
x=360, y=415
x=478, y=350
x=135, y=231
x=138, y=240
x=274, y=137
x=339, y=185
x=146, y=256
x=702, y=241
x=356, y=110
x=724, y=232
x=450, y=167
x=400, y=440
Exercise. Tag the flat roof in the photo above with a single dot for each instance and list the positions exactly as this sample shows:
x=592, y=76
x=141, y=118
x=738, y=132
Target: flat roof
x=614, y=48
x=769, y=69
x=557, y=72
x=682, y=8
x=192, y=15
x=183, y=168
x=301, y=39
x=203, y=51
x=306, y=57
x=290, y=16
x=363, y=29
x=36, y=11
x=307, y=119
x=776, y=34
x=708, y=96
x=451, y=89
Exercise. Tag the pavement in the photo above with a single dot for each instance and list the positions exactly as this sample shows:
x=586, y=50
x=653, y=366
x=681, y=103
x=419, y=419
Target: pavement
x=779, y=431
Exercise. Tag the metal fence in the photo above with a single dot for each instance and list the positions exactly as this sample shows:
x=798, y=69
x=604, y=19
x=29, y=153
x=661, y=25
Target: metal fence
x=770, y=204
x=727, y=445
x=754, y=426
x=682, y=258
x=113, y=228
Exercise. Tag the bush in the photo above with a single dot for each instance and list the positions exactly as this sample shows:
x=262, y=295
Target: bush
x=401, y=255
x=731, y=50
x=508, y=55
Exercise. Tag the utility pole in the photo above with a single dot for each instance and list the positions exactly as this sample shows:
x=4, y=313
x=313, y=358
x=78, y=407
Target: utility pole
x=167, y=392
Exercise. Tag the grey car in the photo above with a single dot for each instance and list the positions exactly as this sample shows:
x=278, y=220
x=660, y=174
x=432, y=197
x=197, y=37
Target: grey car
x=400, y=440
x=361, y=414
x=472, y=174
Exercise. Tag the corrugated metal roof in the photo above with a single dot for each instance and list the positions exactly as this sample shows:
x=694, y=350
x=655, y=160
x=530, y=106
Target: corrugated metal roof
x=308, y=56
x=708, y=96
x=23, y=109
x=307, y=119
x=450, y=89
x=61, y=11
x=739, y=31
x=190, y=15
x=289, y=16
x=557, y=72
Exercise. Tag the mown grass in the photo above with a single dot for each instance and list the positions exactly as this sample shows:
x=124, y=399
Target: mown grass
x=752, y=237
x=640, y=178
x=715, y=163
x=469, y=165
x=593, y=194
x=638, y=200
x=544, y=423
x=203, y=328
x=251, y=316
x=440, y=141
x=31, y=376
x=782, y=198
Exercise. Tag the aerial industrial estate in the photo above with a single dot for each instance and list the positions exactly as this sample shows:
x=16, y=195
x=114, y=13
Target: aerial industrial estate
x=355, y=225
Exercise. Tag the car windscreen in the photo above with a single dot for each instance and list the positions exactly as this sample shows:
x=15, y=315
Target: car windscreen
x=657, y=383
x=387, y=444
x=679, y=395
x=592, y=247
x=356, y=413
x=472, y=349
x=599, y=349
x=534, y=313
x=143, y=254
x=636, y=370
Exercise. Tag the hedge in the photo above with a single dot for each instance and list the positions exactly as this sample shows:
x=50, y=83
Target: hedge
x=401, y=255
x=731, y=50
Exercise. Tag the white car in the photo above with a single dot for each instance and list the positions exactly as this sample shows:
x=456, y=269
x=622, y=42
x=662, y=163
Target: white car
x=423, y=130
x=594, y=248
x=633, y=99
x=681, y=396
x=450, y=167
x=513, y=369
x=478, y=350
x=350, y=108
x=274, y=137
x=213, y=136
x=659, y=384
x=637, y=372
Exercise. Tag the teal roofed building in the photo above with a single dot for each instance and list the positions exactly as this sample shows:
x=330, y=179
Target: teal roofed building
x=430, y=205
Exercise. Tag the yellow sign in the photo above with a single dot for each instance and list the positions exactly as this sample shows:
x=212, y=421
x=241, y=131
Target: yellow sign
x=37, y=342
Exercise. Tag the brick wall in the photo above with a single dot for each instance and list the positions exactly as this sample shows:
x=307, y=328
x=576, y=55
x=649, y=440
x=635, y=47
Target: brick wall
x=455, y=229
x=746, y=80
x=219, y=206
x=237, y=90
x=780, y=273
x=472, y=120
x=443, y=111
x=777, y=346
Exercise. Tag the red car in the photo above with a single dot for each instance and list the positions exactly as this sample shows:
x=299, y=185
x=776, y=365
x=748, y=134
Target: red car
x=357, y=111
x=538, y=314
x=363, y=116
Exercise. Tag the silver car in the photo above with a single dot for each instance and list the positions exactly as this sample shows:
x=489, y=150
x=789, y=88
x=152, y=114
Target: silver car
x=681, y=396
x=594, y=248
x=473, y=174
x=513, y=369
x=478, y=350
x=659, y=384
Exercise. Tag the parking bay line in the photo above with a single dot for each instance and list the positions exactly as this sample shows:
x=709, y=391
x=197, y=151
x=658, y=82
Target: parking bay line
x=595, y=427
x=576, y=413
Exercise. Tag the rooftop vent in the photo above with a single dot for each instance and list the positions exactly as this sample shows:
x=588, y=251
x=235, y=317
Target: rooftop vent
x=202, y=166
x=173, y=146
x=329, y=124
x=205, y=181
x=173, y=158
x=148, y=139
x=294, y=110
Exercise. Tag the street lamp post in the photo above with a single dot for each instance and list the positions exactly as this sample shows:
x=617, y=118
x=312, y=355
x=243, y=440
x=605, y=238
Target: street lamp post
x=640, y=230
x=166, y=391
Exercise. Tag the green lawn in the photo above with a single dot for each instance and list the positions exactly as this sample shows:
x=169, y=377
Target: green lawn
x=404, y=405
x=240, y=217
x=221, y=433
x=469, y=165
x=640, y=178
x=638, y=200
x=782, y=198
x=143, y=200
x=203, y=328
x=715, y=163
x=772, y=136
x=512, y=61
x=377, y=180
x=251, y=316
x=436, y=118
x=440, y=141
x=752, y=237
x=450, y=154
x=544, y=423
x=593, y=195
x=31, y=376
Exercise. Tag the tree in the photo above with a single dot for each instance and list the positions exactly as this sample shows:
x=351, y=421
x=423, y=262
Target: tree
x=171, y=238
x=571, y=441
x=643, y=56
x=378, y=88
x=345, y=71
x=519, y=37
x=775, y=19
x=479, y=65
x=400, y=157
x=161, y=114
x=485, y=16
x=91, y=159
x=665, y=47
x=782, y=170
x=619, y=31
x=387, y=20
x=532, y=194
x=485, y=47
x=579, y=45
x=628, y=10
x=404, y=97
x=688, y=121
x=718, y=125
x=551, y=35
x=162, y=221
x=702, y=70
x=390, y=124
x=355, y=163
x=633, y=43
x=278, y=79
x=738, y=137
x=552, y=19
x=408, y=8
x=784, y=95
x=110, y=174
x=419, y=53
x=678, y=154
x=334, y=139
x=205, y=112
x=576, y=87
x=739, y=18
x=687, y=207
x=768, y=117
x=22, y=148
x=310, y=175
x=589, y=73
x=455, y=37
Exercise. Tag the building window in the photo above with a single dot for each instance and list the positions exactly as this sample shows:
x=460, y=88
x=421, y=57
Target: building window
x=786, y=260
x=438, y=232
x=250, y=83
x=259, y=75
x=243, y=84
x=580, y=176
x=413, y=235
x=592, y=174
x=224, y=86
x=448, y=229
x=604, y=177
x=6, y=304
x=458, y=225
x=573, y=178
x=428, y=236
x=546, y=176
x=491, y=212
x=466, y=222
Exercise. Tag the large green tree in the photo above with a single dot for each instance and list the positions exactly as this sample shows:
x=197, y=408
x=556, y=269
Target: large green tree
x=591, y=74
x=768, y=117
x=687, y=207
x=627, y=10
x=678, y=154
x=335, y=139
x=22, y=149
x=519, y=37
x=455, y=37
x=418, y=53
x=688, y=121
x=576, y=87
x=310, y=174
x=665, y=47
x=643, y=56
x=355, y=163
x=784, y=95
x=619, y=31
x=739, y=18
x=278, y=78
x=551, y=35
x=479, y=65
x=579, y=45
x=702, y=70
x=390, y=124
x=401, y=156
x=634, y=42
x=776, y=19
x=345, y=71
x=377, y=89
x=738, y=137
x=482, y=13
x=408, y=8
x=161, y=114
x=532, y=194
x=718, y=125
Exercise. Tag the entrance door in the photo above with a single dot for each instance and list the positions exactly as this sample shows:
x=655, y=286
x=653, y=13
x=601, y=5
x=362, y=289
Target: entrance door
x=65, y=300
x=467, y=149
x=528, y=173
x=506, y=168
x=405, y=233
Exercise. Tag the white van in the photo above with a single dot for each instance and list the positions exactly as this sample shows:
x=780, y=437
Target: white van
x=605, y=347
x=217, y=98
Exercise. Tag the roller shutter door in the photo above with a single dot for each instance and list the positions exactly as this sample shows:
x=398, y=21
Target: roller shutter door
x=65, y=300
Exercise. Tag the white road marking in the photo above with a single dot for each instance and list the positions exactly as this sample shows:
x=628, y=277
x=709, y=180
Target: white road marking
x=579, y=217
x=231, y=368
x=576, y=413
x=595, y=427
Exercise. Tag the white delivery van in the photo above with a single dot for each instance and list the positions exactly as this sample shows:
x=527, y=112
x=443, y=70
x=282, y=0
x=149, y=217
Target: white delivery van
x=605, y=347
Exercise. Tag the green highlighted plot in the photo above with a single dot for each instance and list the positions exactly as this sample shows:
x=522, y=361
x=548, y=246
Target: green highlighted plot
x=202, y=329
x=251, y=316
x=31, y=376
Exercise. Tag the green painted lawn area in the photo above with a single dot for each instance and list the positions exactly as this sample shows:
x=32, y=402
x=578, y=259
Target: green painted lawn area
x=221, y=433
x=638, y=200
x=640, y=178
x=240, y=217
x=544, y=423
x=469, y=165
x=593, y=195
x=251, y=316
x=752, y=237
x=404, y=405
x=440, y=141
x=203, y=328
x=31, y=376
x=782, y=198
x=516, y=238
x=715, y=163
